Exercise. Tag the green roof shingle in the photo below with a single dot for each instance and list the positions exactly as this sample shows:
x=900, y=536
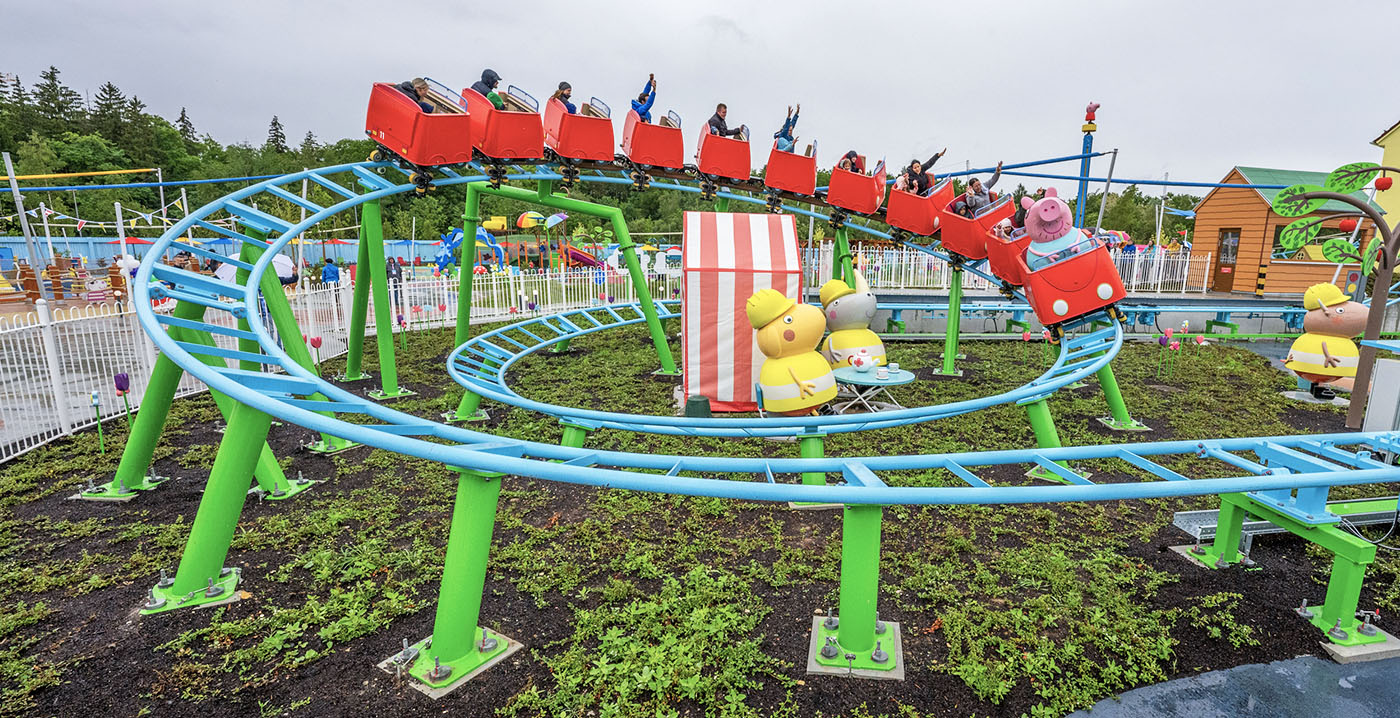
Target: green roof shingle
x=1288, y=178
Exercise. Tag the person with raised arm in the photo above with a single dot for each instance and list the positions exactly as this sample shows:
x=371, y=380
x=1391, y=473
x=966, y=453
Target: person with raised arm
x=784, y=138
x=977, y=195
x=642, y=105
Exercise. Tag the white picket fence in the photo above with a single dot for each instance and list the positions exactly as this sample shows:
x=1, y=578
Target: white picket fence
x=56, y=361
x=904, y=268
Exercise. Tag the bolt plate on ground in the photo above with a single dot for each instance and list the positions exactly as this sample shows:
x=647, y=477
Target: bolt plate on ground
x=890, y=641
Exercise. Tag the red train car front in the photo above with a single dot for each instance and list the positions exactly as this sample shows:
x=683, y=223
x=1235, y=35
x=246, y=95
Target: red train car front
x=968, y=237
x=587, y=135
x=722, y=156
x=396, y=123
x=510, y=134
x=1002, y=253
x=915, y=214
x=855, y=191
x=653, y=145
x=1073, y=287
x=791, y=172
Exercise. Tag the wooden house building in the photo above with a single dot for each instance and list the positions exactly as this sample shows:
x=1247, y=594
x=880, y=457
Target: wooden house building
x=1240, y=231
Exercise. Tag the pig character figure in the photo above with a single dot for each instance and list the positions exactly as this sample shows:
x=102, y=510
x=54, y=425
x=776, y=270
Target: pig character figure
x=1050, y=225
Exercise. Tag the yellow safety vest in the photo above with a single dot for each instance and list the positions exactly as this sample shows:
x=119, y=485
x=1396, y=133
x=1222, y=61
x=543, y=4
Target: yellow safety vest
x=781, y=394
x=843, y=344
x=1306, y=357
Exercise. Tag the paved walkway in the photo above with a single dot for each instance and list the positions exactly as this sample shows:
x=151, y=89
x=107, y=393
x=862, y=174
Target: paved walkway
x=1304, y=687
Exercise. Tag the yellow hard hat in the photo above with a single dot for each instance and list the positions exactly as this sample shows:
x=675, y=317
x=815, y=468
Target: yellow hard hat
x=1323, y=295
x=766, y=305
x=834, y=290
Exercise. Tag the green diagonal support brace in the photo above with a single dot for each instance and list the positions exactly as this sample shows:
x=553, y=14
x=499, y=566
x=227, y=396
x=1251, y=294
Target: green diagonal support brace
x=376, y=273
x=359, y=316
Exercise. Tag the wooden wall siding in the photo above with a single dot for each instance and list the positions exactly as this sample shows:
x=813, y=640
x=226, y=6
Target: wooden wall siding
x=1228, y=208
x=1291, y=277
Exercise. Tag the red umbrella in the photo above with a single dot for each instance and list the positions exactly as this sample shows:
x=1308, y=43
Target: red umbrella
x=131, y=240
x=335, y=241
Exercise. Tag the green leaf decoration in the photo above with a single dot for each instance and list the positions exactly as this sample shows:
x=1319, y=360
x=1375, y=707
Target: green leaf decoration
x=1350, y=178
x=1339, y=250
x=1368, y=258
x=1290, y=202
x=1299, y=233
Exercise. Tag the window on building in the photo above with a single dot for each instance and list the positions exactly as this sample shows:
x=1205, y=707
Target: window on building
x=1229, y=245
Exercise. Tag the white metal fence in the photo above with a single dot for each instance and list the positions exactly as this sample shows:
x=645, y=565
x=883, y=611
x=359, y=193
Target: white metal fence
x=904, y=268
x=55, y=361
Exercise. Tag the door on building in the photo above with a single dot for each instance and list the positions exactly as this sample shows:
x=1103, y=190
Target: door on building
x=1225, y=253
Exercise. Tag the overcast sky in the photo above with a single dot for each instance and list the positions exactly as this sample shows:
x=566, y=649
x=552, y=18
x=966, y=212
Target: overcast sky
x=1186, y=88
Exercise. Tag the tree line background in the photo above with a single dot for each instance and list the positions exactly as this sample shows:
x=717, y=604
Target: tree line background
x=49, y=127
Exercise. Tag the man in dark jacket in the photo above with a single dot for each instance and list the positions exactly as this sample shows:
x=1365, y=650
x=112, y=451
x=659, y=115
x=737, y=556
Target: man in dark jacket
x=718, y=126
x=487, y=87
x=417, y=90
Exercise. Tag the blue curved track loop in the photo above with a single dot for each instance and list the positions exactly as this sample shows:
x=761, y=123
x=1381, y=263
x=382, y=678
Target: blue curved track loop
x=294, y=397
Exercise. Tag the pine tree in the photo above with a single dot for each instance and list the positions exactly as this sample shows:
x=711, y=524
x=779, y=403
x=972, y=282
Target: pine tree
x=57, y=104
x=309, y=145
x=186, y=128
x=276, y=138
x=108, y=112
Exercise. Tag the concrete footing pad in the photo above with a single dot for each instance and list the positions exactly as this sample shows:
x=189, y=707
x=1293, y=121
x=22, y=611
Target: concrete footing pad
x=896, y=651
x=1390, y=648
x=390, y=665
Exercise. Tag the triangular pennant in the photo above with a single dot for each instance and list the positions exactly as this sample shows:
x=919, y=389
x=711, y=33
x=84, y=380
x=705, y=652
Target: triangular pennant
x=81, y=223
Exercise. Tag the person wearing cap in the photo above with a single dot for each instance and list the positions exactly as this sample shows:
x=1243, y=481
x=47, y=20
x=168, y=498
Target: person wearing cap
x=642, y=105
x=794, y=378
x=563, y=94
x=1325, y=354
x=487, y=87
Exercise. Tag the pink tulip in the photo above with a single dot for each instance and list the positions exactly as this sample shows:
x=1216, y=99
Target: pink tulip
x=315, y=342
x=1169, y=332
x=1025, y=336
x=1200, y=339
x=442, y=307
x=416, y=308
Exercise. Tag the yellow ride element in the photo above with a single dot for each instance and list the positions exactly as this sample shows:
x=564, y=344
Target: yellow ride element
x=794, y=378
x=1325, y=353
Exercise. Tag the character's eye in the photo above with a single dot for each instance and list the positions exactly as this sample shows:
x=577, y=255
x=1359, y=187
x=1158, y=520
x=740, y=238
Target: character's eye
x=1340, y=310
x=787, y=320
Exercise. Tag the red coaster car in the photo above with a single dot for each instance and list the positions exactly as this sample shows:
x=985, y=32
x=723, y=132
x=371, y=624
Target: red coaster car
x=654, y=145
x=722, y=156
x=396, y=123
x=587, y=135
x=1002, y=253
x=856, y=192
x=791, y=172
x=1079, y=284
x=514, y=133
x=968, y=237
x=915, y=214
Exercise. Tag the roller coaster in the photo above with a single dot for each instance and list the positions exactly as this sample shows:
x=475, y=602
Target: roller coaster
x=1284, y=479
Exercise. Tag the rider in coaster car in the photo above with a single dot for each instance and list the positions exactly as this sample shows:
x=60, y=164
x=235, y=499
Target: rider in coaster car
x=563, y=94
x=977, y=195
x=417, y=90
x=487, y=87
x=914, y=179
x=718, y=126
x=852, y=162
x=784, y=137
x=642, y=105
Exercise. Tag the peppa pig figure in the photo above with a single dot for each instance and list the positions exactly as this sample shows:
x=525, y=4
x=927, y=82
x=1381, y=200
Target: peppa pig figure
x=1050, y=225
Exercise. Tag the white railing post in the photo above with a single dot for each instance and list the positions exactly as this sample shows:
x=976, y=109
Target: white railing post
x=46, y=331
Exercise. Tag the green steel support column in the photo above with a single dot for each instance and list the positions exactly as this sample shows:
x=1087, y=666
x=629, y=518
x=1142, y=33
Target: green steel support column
x=202, y=562
x=457, y=637
x=842, y=266
x=359, y=314
x=469, y=409
x=150, y=419
x=560, y=347
x=574, y=435
x=1046, y=437
x=860, y=576
x=812, y=446
x=372, y=242
x=950, y=334
x=1120, y=420
x=1225, y=550
x=1343, y=597
x=722, y=204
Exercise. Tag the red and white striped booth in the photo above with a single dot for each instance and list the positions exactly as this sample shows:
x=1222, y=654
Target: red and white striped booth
x=728, y=257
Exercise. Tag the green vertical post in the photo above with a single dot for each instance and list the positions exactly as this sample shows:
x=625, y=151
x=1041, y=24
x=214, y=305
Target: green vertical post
x=1228, y=528
x=574, y=434
x=860, y=577
x=1343, y=594
x=954, y=325
x=469, y=409
x=456, y=633
x=1043, y=424
x=721, y=204
x=219, y=508
x=812, y=446
x=842, y=261
x=1120, y=419
x=359, y=314
x=372, y=245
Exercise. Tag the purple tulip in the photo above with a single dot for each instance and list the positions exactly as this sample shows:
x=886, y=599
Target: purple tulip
x=531, y=305
x=1162, y=340
x=123, y=383
x=400, y=319
x=611, y=298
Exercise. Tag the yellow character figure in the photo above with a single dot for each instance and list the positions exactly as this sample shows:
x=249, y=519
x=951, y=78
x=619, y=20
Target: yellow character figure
x=795, y=379
x=848, y=314
x=1325, y=353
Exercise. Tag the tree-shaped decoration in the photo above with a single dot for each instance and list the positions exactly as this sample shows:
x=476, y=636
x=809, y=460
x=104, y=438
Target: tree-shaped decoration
x=1378, y=256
